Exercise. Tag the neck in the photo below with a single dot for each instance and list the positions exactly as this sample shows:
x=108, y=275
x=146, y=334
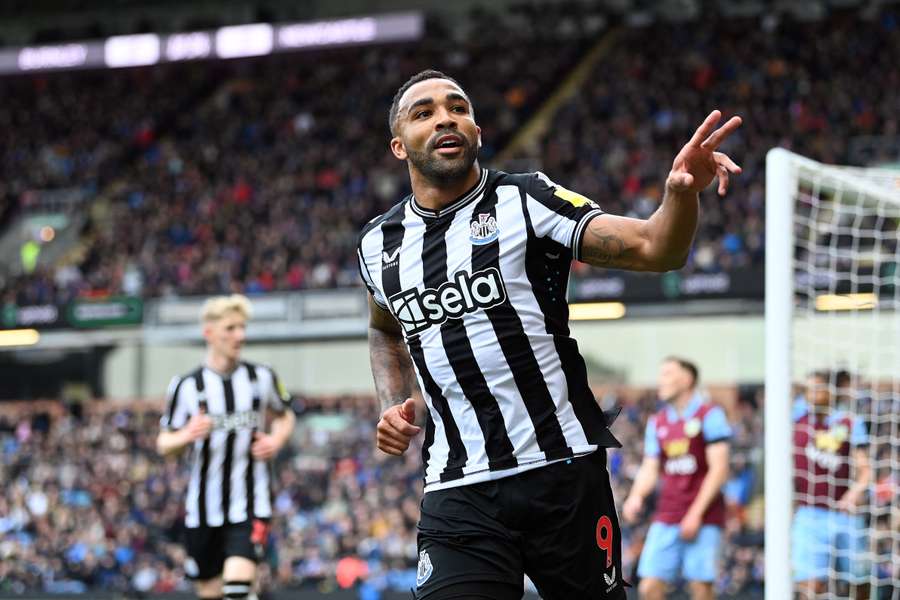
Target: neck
x=681, y=401
x=435, y=195
x=220, y=364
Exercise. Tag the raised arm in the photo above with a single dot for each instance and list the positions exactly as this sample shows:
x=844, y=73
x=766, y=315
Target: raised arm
x=395, y=381
x=663, y=241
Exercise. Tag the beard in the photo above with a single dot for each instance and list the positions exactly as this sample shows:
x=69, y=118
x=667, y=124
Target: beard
x=440, y=170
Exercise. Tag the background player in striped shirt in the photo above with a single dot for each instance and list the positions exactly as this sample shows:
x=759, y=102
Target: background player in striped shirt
x=686, y=450
x=219, y=410
x=467, y=280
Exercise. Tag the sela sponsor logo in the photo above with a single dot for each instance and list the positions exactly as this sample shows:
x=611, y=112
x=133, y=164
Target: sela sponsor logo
x=247, y=419
x=389, y=260
x=465, y=293
x=425, y=568
x=483, y=230
x=683, y=465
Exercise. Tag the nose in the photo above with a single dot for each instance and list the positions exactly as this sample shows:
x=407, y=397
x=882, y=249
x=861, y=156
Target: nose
x=446, y=120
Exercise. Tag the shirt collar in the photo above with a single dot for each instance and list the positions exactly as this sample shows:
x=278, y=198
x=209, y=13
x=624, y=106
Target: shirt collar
x=463, y=200
x=689, y=410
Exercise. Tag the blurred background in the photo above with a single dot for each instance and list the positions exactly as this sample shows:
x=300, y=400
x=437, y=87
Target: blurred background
x=155, y=153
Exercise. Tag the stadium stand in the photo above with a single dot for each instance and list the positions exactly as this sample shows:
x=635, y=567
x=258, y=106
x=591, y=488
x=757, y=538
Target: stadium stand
x=295, y=148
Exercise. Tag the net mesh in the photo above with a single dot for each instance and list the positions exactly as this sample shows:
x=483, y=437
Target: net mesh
x=845, y=352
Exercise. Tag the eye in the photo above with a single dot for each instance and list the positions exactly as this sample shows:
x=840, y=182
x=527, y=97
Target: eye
x=460, y=108
x=422, y=113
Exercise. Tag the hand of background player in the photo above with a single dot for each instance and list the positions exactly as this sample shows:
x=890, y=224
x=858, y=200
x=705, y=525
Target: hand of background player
x=198, y=427
x=698, y=162
x=632, y=508
x=849, y=501
x=690, y=526
x=396, y=429
x=264, y=446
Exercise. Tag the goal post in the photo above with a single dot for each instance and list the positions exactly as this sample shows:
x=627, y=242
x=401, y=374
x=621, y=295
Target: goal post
x=833, y=306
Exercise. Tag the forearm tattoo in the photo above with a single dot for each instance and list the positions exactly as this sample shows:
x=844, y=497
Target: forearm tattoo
x=601, y=248
x=392, y=369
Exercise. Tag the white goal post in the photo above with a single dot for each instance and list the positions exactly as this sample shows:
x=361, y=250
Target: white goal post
x=833, y=305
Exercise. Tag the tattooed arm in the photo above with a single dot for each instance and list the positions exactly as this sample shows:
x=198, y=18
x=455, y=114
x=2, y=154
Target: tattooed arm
x=660, y=243
x=395, y=382
x=663, y=241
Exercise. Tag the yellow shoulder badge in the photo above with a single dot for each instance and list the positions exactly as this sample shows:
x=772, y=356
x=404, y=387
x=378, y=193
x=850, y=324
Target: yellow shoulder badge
x=282, y=392
x=573, y=198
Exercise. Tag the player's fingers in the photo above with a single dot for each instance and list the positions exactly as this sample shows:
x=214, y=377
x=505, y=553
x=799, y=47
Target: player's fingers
x=723, y=180
x=396, y=420
x=709, y=123
x=392, y=438
x=724, y=160
x=718, y=136
x=392, y=449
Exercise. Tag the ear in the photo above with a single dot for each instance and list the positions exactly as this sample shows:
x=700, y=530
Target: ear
x=398, y=149
x=478, y=129
x=207, y=331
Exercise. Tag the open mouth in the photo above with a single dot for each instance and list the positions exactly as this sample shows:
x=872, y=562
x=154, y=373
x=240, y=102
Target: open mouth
x=448, y=144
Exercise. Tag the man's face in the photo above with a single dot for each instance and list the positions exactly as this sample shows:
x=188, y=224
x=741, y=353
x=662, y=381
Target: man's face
x=673, y=380
x=817, y=392
x=436, y=131
x=226, y=336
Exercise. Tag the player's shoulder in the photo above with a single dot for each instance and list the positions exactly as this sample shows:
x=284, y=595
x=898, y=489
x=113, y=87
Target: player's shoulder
x=377, y=221
x=534, y=182
x=176, y=384
x=256, y=369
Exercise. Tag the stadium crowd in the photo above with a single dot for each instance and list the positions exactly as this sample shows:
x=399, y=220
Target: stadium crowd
x=87, y=504
x=183, y=162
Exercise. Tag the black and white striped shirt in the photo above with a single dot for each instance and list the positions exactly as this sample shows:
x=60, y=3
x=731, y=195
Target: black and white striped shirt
x=480, y=291
x=232, y=485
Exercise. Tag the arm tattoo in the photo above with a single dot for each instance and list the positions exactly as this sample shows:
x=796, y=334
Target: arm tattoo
x=392, y=368
x=601, y=248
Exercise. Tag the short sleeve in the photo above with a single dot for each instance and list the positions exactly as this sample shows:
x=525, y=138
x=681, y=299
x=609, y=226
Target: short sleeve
x=651, y=444
x=558, y=213
x=859, y=435
x=715, y=426
x=277, y=397
x=799, y=408
x=367, y=280
x=177, y=411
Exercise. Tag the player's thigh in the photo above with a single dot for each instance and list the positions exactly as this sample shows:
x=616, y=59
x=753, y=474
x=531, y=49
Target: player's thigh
x=573, y=542
x=663, y=552
x=205, y=547
x=701, y=556
x=850, y=541
x=811, y=546
x=239, y=546
x=462, y=541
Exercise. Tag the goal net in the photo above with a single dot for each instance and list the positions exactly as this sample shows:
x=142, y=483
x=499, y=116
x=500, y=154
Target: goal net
x=832, y=380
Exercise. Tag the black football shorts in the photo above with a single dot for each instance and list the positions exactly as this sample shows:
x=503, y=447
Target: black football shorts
x=556, y=523
x=208, y=547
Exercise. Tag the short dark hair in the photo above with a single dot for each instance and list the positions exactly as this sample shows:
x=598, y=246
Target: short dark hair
x=687, y=366
x=420, y=76
x=838, y=378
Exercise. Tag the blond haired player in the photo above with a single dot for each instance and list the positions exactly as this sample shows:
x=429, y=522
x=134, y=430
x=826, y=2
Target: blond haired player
x=219, y=410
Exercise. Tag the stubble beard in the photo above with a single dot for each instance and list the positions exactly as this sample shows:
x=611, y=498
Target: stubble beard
x=444, y=171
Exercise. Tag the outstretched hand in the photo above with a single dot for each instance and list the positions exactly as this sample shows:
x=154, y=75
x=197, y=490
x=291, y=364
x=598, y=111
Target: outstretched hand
x=698, y=162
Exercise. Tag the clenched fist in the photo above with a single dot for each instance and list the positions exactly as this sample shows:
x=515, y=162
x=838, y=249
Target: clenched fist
x=396, y=429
